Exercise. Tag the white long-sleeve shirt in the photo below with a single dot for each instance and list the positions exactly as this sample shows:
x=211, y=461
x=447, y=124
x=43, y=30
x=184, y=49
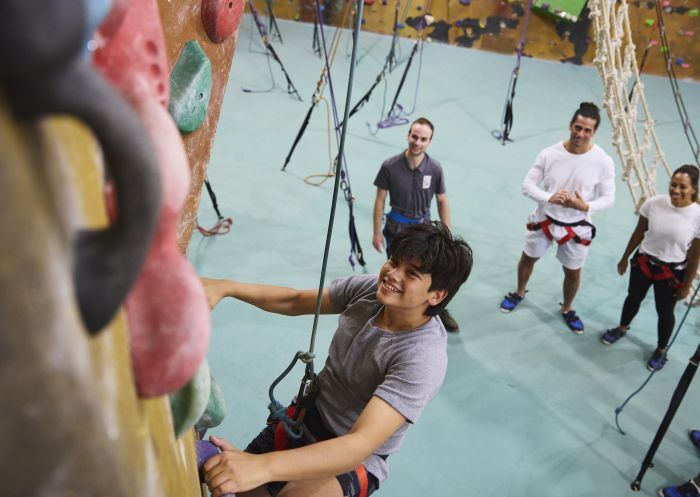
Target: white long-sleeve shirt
x=591, y=174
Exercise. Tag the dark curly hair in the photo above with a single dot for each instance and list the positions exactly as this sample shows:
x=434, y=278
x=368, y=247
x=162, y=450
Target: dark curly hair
x=447, y=258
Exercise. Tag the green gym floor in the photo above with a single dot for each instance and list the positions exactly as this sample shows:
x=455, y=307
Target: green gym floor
x=527, y=408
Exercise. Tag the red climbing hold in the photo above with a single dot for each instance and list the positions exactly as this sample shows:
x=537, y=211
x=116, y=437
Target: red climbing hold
x=221, y=18
x=133, y=57
x=167, y=310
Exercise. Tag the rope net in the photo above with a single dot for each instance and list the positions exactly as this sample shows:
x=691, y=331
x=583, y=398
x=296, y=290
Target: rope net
x=634, y=136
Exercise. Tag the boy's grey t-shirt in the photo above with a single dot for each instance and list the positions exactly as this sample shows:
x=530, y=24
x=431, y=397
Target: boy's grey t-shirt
x=405, y=369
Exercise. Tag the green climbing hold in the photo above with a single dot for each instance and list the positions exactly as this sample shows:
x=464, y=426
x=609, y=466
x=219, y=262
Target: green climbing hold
x=693, y=12
x=215, y=412
x=649, y=22
x=188, y=403
x=190, y=88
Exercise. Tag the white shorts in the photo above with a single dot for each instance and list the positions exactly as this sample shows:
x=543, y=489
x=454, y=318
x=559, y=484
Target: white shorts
x=572, y=255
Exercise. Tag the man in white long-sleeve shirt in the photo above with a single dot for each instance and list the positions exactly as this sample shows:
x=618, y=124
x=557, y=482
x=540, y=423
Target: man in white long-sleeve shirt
x=578, y=179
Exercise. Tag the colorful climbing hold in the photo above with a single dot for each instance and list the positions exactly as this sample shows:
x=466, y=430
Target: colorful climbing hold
x=649, y=22
x=190, y=87
x=221, y=18
x=215, y=411
x=693, y=12
x=188, y=403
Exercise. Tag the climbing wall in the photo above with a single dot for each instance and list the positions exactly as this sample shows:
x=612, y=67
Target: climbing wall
x=496, y=25
x=102, y=370
x=184, y=21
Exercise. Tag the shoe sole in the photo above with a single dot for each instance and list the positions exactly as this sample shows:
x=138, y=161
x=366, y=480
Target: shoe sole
x=577, y=332
x=506, y=311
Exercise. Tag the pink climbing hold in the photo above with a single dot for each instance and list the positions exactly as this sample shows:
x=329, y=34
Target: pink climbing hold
x=221, y=18
x=133, y=58
x=167, y=310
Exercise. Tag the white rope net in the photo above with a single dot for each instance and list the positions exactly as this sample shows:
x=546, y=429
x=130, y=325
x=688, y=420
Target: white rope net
x=633, y=127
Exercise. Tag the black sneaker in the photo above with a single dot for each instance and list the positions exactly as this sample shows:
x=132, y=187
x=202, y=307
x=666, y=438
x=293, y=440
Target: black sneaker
x=448, y=321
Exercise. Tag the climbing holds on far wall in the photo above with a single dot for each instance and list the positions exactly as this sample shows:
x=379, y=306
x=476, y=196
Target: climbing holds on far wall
x=221, y=18
x=190, y=87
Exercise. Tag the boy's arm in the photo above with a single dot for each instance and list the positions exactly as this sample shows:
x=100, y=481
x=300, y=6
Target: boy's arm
x=278, y=299
x=236, y=471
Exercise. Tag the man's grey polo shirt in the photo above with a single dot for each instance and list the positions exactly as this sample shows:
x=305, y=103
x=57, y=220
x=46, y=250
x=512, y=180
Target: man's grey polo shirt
x=411, y=191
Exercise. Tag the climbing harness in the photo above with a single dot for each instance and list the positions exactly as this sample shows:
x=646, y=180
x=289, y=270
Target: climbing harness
x=568, y=227
x=658, y=270
x=292, y=424
x=503, y=135
x=223, y=225
x=291, y=89
x=314, y=431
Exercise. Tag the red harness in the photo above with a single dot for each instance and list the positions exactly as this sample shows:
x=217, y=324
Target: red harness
x=281, y=444
x=569, y=227
x=657, y=270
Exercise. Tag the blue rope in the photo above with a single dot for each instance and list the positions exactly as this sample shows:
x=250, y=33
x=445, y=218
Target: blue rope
x=619, y=409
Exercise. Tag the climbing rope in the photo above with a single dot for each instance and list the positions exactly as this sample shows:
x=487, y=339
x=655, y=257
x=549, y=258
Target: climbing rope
x=262, y=31
x=272, y=26
x=323, y=79
x=397, y=115
x=292, y=425
x=223, y=224
x=390, y=62
x=503, y=135
x=618, y=410
x=680, y=105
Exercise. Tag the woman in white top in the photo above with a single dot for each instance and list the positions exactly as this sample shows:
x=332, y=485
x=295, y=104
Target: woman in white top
x=668, y=237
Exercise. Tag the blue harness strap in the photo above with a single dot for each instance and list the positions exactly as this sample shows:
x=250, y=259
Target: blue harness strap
x=399, y=218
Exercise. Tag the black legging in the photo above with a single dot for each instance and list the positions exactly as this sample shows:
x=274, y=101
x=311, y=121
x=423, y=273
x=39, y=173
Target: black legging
x=664, y=297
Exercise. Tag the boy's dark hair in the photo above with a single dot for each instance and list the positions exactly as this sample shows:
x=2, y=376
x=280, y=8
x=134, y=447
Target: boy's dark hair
x=589, y=110
x=448, y=259
x=423, y=120
x=693, y=174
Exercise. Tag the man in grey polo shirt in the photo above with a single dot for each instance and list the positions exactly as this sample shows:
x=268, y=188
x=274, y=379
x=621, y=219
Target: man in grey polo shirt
x=412, y=179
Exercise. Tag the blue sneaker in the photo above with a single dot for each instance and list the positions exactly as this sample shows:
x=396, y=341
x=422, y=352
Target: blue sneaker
x=573, y=321
x=685, y=490
x=612, y=335
x=657, y=361
x=694, y=436
x=510, y=302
